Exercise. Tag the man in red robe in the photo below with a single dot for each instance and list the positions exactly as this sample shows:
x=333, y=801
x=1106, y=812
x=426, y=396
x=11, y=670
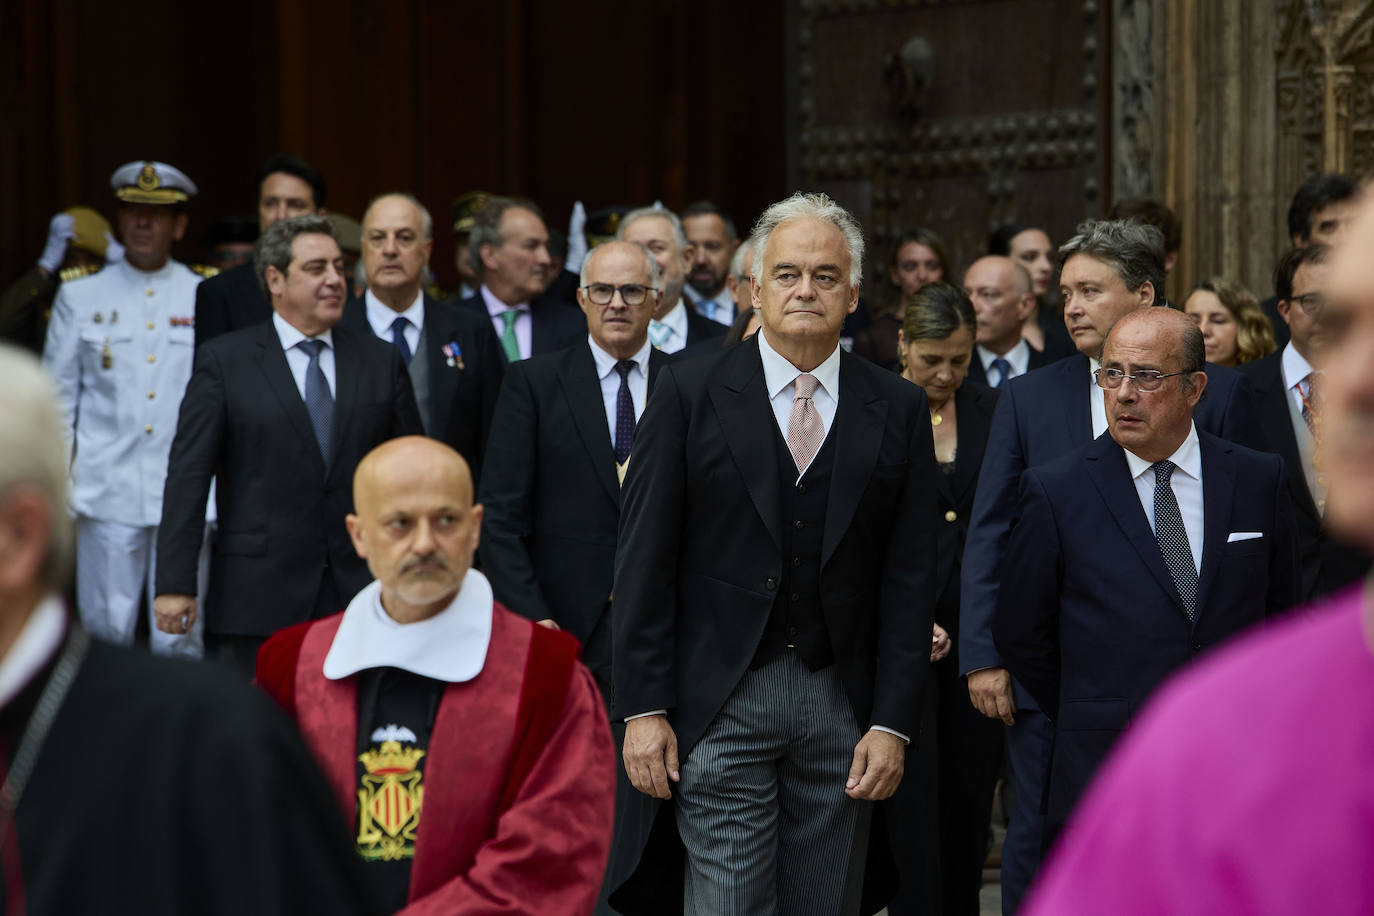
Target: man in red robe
x=468, y=746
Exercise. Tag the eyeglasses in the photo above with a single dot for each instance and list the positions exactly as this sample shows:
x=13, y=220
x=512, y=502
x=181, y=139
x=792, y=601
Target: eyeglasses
x=1311, y=303
x=631, y=294
x=1145, y=379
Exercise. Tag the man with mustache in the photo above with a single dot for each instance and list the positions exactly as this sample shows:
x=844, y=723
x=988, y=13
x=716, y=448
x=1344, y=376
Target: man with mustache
x=279, y=414
x=1136, y=553
x=1109, y=270
x=120, y=344
x=1289, y=398
x=467, y=747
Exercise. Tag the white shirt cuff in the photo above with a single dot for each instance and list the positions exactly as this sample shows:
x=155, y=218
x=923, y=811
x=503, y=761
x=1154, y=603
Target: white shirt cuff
x=890, y=731
x=641, y=715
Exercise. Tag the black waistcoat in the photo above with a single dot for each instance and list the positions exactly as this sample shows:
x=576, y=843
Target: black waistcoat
x=796, y=620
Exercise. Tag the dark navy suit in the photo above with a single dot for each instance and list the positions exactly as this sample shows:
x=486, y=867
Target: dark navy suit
x=1089, y=619
x=1040, y=416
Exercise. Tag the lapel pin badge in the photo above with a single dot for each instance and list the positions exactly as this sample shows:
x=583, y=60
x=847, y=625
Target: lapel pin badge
x=453, y=355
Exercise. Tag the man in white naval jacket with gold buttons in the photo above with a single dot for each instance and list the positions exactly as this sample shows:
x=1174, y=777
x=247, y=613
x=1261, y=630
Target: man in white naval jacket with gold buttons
x=120, y=345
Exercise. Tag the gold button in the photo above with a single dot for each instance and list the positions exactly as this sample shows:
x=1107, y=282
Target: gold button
x=152, y=358
x=951, y=515
x=150, y=291
x=148, y=429
x=151, y=395
x=152, y=325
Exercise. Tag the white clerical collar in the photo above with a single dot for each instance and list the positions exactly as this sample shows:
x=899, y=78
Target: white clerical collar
x=33, y=648
x=450, y=646
x=289, y=335
x=1187, y=458
x=1295, y=366
x=381, y=316
x=605, y=362
x=778, y=373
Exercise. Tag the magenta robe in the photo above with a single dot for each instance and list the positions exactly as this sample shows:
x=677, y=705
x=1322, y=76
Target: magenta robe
x=1247, y=787
x=519, y=778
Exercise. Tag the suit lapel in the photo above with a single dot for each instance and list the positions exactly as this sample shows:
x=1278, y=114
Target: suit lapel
x=974, y=425
x=582, y=388
x=541, y=331
x=858, y=432
x=443, y=378
x=740, y=397
x=1218, y=494
x=1077, y=408
x=271, y=360
x=1111, y=475
x=347, y=365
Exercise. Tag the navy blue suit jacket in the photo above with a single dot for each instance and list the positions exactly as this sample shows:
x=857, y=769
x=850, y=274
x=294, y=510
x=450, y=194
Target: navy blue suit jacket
x=1088, y=616
x=1040, y=416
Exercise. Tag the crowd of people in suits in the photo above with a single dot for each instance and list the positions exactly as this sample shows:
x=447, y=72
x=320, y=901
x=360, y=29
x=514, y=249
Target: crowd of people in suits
x=836, y=564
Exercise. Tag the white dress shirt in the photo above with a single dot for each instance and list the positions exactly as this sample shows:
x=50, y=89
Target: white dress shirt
x=450, y=646
x=1186, y=482
x=382, y=317
x=610, y=380
x=298, y=360
x=719, y=308
x=676, y=321
x=524, y=323
x=1097, y=406
x=780, y=379
x=1018, y=357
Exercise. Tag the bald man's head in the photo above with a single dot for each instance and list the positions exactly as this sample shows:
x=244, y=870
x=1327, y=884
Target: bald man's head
x=415, y=524
x=1146, y=414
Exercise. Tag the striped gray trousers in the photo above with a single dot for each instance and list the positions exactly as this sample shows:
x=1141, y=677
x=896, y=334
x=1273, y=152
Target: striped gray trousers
x=761, y=807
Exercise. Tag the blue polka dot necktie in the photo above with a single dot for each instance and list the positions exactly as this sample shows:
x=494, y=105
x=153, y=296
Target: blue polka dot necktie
x=398, y=337
x=319, y=401
x=1173, y=538
x=1004, y=371
x=624, y=413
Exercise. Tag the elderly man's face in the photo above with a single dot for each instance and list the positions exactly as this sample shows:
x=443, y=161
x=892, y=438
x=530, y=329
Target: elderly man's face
x=656, y=234
x=521, y=262
x=1152, y=424
x=415, y=524
x=999, y=301
x=1347, y=414
x=618, y=328
x=1096, y=298
x=803, y=292
x=395, y=250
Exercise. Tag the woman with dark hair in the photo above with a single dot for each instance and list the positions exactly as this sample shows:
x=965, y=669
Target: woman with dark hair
x=940, y=824
x=1235, y=329
x=1032, y=249
x=918, y=258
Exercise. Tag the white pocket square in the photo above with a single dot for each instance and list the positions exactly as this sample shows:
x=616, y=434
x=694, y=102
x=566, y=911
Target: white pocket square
x=1243, y=536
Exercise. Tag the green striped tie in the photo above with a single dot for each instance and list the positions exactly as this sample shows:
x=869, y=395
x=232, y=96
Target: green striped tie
x=509, y=342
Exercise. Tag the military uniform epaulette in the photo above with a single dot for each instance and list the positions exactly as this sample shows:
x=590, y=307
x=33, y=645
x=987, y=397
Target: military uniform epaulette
x=68, y=274
x=205, y=270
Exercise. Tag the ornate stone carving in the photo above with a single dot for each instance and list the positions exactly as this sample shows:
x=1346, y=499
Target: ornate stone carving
x=1133, y=77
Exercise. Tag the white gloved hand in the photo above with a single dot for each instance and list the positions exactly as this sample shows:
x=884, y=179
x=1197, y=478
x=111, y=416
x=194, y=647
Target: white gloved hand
x=113, y=250
x=577, y=238
x=61, y=230
x=658, y=205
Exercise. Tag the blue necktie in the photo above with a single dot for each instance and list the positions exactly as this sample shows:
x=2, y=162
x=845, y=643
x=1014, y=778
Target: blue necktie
x=1173, y=538
x=1004, y=368
x=624, y=413
x=398, y=337
x=319, y=401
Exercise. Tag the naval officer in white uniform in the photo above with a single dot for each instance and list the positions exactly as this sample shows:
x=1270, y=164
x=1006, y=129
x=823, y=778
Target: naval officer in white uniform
x=120, y=345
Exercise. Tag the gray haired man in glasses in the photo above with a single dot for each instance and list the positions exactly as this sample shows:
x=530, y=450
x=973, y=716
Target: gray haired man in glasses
x=561, y=442
x=1138, y=552
x=1289, y=399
